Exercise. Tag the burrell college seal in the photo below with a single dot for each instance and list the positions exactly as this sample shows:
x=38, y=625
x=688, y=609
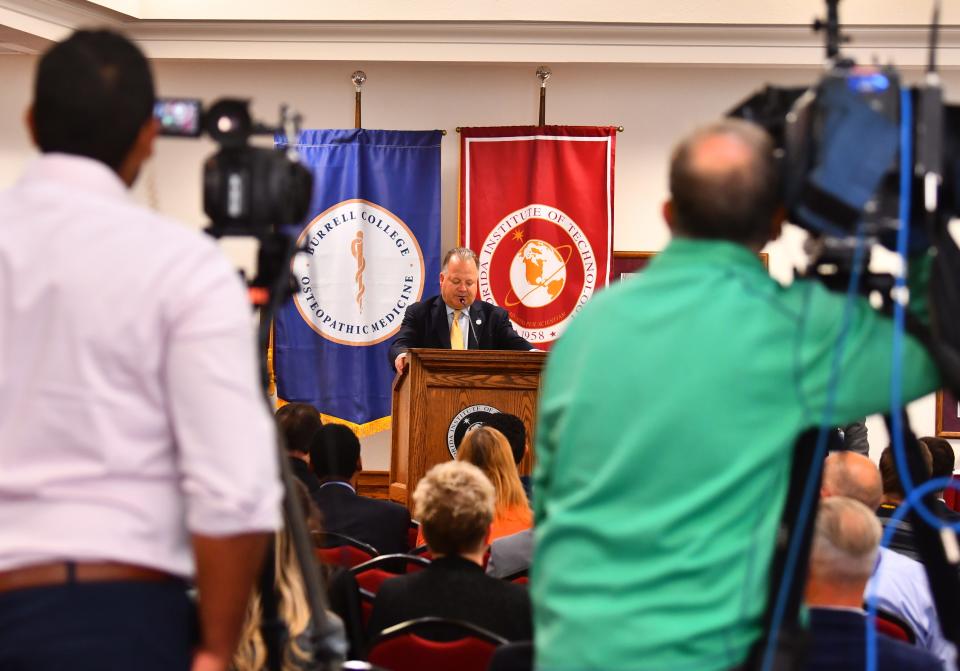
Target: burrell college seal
x=360, y=268
x=539, y=265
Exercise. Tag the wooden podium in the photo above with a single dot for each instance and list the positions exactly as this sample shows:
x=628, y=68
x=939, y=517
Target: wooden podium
x=435, y=397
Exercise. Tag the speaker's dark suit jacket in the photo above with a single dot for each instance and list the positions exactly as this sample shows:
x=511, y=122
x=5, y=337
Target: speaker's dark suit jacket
x=455, y=588
x=838, y=643
x=382, y=524
x=425, y=325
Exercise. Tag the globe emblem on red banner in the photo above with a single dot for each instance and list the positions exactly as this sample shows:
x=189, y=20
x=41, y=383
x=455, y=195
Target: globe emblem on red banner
x=538, y=274
x=539, y=265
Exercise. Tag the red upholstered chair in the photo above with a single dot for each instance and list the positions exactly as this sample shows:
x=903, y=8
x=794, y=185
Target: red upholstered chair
x=371, y=574
x=893, y=626
x=340, y=550
x=521, y=577
x=434, y=643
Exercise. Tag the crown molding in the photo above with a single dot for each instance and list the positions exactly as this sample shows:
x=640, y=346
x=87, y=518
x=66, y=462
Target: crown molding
x=39, y=22
x=532, y=42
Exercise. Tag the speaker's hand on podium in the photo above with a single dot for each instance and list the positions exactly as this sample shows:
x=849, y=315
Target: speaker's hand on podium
x=400, y=362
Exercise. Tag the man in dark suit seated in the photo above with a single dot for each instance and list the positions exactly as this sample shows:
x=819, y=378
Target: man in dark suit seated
x=455, y=504
x=455, y=319
x=943, y=460
x=298, y=422
x=845, y=541
x=335, y=459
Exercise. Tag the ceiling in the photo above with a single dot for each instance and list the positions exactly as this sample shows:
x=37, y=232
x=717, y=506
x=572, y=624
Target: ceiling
x=738, y=32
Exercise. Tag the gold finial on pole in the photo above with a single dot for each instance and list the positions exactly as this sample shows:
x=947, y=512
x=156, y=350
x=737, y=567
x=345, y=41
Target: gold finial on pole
x=358, y=78
x=543, y=74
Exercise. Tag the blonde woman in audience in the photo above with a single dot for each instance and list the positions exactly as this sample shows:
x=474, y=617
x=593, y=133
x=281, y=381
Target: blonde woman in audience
x=455, y=503
x=489, y=450
x=251, y=654
x=293, y=607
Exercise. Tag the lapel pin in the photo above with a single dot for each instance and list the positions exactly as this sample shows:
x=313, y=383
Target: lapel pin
x=479, y=322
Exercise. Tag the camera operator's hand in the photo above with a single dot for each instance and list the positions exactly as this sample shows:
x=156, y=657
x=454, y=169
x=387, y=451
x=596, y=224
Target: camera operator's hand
x=400, y=363
x=205, y=660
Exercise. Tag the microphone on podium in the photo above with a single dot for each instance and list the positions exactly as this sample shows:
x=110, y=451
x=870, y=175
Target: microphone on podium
x=463, y=302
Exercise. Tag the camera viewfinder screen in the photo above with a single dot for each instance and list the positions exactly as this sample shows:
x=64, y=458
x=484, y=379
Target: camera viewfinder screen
x=178, y=116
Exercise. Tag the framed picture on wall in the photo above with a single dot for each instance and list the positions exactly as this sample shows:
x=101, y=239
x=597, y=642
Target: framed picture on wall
x=948, y=415
x=626, y=264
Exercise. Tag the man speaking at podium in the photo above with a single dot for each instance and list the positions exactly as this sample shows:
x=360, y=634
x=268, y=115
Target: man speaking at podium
x=455, y=319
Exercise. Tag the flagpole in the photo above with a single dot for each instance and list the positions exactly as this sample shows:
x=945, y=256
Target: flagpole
x=543, y=74
x=358, y=78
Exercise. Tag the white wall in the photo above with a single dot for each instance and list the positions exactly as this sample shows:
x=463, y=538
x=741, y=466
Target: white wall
x=655, y=104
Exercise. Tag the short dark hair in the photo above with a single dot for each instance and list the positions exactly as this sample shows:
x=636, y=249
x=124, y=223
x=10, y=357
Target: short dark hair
x=465, y=254
x=513, y=429
x=943, y=457
x=736, y=202
x=298, y=422
x=888, y=470
x=92, y=95
x=334, y=452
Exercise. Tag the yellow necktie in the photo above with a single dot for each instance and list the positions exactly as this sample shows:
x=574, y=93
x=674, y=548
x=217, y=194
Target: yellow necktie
x=456, y=335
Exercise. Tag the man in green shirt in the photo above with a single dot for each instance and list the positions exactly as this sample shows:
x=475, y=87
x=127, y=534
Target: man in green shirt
x=667, y=420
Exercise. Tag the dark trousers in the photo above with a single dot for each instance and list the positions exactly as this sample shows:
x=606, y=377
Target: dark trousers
x=107, y=626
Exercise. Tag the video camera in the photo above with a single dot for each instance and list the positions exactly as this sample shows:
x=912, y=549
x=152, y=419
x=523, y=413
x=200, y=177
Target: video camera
x=247, y=191
x=841, y=145
x=865, y=159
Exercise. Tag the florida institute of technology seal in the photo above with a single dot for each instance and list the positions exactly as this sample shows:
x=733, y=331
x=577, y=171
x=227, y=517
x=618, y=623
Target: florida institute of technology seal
x=539, y=265
x=360, y=268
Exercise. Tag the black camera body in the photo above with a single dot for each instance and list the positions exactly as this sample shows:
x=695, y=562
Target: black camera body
x=247, y=190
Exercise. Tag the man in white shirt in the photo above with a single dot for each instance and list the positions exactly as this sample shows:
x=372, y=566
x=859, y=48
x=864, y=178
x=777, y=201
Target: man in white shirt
x=136, y=451
x=898, y=583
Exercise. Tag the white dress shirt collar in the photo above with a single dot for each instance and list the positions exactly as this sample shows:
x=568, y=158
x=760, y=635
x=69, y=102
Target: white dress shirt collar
x=86, y=174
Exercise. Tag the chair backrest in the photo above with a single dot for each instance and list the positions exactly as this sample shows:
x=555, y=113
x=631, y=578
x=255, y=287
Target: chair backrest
x=413, y=532
x=434, y=643
x=521, y=577
x=422, y=551
x=341, y=550
x=513, y=656
x=895, y=627
x=371, y=574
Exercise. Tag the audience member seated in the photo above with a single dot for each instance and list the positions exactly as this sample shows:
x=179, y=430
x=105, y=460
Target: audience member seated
x=845, y=541
x=515, y=432
x=335, y=459
x=898, y=583
x=488, y=450
x=293, y=607
x=298, y=422
x=943, y=461
x=893, y=496
x=510, y=554
x=455, y=504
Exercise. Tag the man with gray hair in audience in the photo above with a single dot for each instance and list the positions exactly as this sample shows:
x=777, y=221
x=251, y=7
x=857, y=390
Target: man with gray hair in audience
x=898, y=583
x=455, y=504
x=846, y=537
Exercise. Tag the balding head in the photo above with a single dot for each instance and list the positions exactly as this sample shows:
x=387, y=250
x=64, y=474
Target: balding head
x=854, y=476
x=846, y=536
x=725, y=185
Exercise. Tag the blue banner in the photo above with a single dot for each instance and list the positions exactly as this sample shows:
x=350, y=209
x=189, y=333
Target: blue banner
x=371, y=245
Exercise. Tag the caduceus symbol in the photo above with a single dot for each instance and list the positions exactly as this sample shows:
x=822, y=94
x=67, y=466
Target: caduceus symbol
x=356, y=248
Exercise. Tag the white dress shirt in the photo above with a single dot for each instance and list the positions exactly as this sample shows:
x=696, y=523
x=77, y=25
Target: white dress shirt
x=900, y=587
x=130, y=410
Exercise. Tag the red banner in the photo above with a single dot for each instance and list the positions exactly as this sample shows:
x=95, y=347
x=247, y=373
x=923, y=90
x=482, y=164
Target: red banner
x=536, y=205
